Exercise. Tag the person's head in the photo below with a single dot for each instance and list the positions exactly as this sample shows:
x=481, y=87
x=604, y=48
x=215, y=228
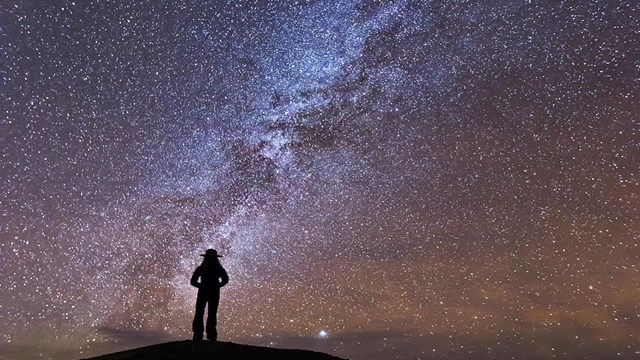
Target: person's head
x=210, y=257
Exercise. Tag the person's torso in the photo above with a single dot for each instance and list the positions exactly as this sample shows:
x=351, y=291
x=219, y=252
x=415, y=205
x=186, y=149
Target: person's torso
x=210, y=278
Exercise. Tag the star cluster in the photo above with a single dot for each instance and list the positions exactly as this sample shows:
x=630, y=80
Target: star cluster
x=386, y=179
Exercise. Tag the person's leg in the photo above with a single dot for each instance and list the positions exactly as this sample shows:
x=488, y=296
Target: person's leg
x=212, y=320
x=198, y=321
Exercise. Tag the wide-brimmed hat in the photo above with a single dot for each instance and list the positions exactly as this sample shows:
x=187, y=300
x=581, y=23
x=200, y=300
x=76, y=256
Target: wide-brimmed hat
x=211, y=252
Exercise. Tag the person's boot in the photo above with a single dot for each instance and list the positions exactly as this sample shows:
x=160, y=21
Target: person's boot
x=213, y=336
x=197, y=337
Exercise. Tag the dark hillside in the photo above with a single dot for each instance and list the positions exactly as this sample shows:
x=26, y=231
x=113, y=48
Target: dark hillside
x=190, y=350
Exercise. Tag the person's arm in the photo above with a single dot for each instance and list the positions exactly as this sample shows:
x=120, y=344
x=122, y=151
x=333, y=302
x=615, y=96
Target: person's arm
x=224, y=277
x=194, y=278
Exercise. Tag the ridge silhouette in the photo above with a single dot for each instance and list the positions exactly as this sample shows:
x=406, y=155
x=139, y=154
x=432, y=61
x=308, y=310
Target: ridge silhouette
x=201, y=350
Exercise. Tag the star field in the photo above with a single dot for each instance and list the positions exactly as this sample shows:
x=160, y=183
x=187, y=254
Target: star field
x=385, y=179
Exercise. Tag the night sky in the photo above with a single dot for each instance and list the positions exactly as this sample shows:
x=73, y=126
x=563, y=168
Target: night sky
x=385, y=179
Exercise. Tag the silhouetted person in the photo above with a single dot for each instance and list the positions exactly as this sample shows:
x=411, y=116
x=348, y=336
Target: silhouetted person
x=212, y=277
